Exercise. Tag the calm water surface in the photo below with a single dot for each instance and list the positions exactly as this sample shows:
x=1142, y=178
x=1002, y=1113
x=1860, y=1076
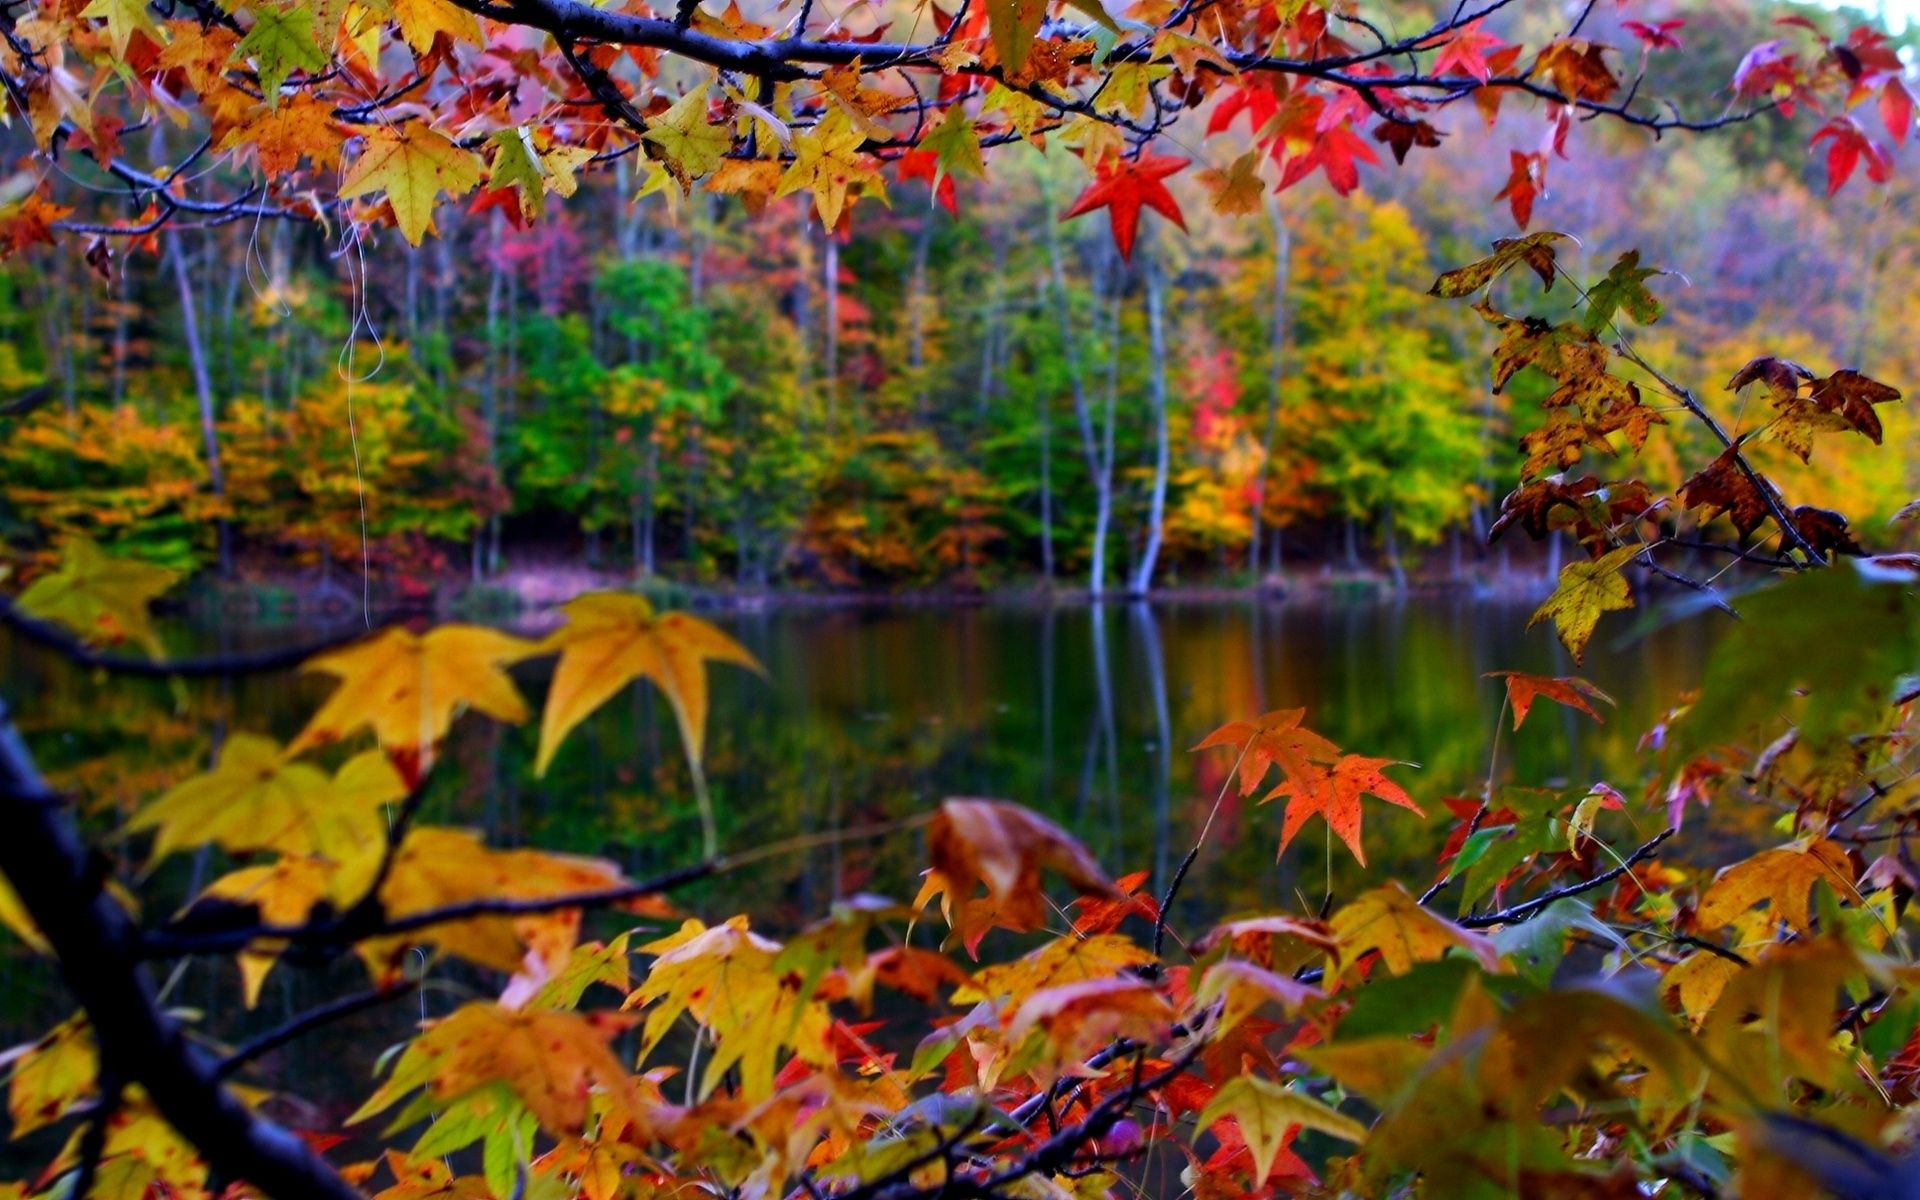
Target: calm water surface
x=868, y=715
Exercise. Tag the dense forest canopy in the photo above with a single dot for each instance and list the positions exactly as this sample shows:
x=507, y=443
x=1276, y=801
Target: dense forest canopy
x=395, y=292
x=914, y=373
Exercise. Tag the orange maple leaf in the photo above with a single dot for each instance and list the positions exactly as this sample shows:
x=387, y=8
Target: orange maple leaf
x=1334, y=793
x=1570, y=690
x=1274, y=738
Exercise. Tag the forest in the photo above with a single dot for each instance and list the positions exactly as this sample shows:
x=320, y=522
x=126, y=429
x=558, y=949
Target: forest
x=958, y=391
x=994, y=600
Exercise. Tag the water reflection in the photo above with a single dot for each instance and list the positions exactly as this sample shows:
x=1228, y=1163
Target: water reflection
x=871, y=714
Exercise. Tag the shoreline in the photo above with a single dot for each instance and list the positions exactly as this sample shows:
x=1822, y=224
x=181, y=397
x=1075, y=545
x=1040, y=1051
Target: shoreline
x=530, y=592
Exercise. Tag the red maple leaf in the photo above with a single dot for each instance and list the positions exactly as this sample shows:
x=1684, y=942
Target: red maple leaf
x=1255, y=99
x=1657, y=36
x=1123, y=187
x=1523, y=185
x=1336, y=151
x=1467, y=53
x=1850, y=145
x=1896, y=109
x=925, y=164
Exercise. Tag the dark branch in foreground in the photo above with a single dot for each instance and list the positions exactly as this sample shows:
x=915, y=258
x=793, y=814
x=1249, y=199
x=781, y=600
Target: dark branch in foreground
x=225, y=666
x=61, y=886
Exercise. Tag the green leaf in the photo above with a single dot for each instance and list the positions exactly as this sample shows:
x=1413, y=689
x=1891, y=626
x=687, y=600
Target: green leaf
x=1625, y=287
x=281, y=41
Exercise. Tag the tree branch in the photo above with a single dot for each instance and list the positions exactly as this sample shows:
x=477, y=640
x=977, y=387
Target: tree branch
x=61, y=886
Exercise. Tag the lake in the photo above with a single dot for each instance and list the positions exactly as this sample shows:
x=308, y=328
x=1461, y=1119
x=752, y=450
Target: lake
x=871, y=714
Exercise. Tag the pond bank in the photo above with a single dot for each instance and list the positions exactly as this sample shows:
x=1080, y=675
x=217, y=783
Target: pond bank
x=523, y=591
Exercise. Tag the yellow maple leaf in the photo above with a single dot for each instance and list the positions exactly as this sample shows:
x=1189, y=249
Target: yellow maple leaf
x=1783, y=877
x=1391, y=921
x=99, y=596
x=18, y=921
x=437, y=867
x=51, y=1076
x=283, y=893
x=421, y=21
x=1268, y=1113
x=553, y=1061
x=689, y=144
x=827, y=163
x=125, y=18
x=1067, y=959
x=613, y=638
x=407, y=688
x=142, y=1156
x=413, y=165
x=255, y=799
x=1585, y=590
x=722, y=976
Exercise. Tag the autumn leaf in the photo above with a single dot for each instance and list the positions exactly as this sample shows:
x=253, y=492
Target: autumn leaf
x=1123, y=187
x=1534, y=251
x=1848, y=145
x=1076, y=1019
x=1003, y=848
x=1267, y=1113
x=407, y=688
x=1241, y=988
x=1624, y=288
x=1272, y=739
x=689, y=145
x=1391, y=922
x=613, y=638
x=1526, y=177
x=413, y=166
x=1334, y=794
x=955, y=145
x=1522, y=689
x=553, y=1062
x=723, y=977
x=281, y=41
x=1782, y=878
x=281, y=893
x=1013, y=25
x=101, y=597
x=1465, y=53
x=1853, y=395
x=1586, y=590
x=255, y=799
x=281, y=137
x=1724, y=486
x=1064, y=960
x=422, y=22
x=125, y=18
x=52, y=1076
x=1238, y=189
x=435, y=868
x=828, y=164
x=518, y=163
x=1578, y=69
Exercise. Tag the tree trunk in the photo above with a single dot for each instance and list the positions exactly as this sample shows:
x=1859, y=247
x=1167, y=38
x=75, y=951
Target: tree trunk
x=203, y=391
x=1276, y=348
x=1157, y=391
x=832, y=273
x=1097, y=467
x=1390, y=542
